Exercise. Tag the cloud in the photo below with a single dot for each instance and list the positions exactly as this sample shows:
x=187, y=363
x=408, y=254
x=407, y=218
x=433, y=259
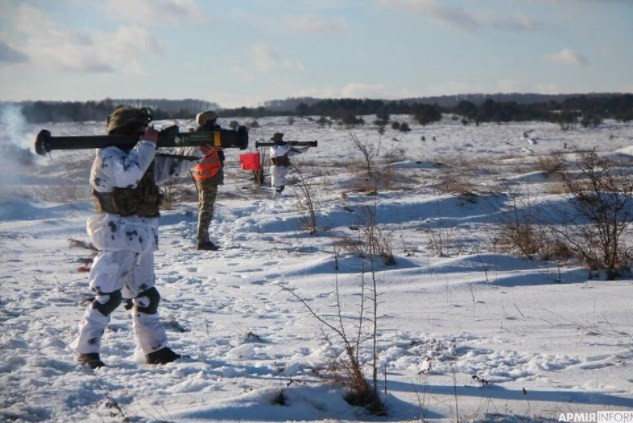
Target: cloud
x=453, y=87
x=548, y=88
x=518, y=22
x=56, y=47
x=10, y=55
x=567, y=57
x=354, y=90
x=460, y=17
x=360, y=90
x=267, y=60
x=311, y=23
x=148, y=12
x=318, y=4
x=318, y=93
x=509, y=86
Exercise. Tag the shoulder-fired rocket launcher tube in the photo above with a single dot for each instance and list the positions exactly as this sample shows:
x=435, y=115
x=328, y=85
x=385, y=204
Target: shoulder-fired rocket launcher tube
x=168, y=137
x=297, y=143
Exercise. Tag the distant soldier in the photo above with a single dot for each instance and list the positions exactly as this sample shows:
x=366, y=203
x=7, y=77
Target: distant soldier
x=208, y=174
x=125, y=232
x=279, y=156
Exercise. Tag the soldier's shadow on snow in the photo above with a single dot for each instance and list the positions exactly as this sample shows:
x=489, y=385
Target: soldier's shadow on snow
x=499, y=392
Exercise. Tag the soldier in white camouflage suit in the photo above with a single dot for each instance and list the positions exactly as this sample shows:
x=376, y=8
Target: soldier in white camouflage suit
x=280, y=153
x=125, y=231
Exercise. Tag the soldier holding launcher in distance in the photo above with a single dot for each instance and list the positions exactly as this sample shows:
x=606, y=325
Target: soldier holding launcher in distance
x=279, y=156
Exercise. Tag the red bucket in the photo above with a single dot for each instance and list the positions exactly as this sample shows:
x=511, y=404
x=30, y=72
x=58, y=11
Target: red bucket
x=250, y=161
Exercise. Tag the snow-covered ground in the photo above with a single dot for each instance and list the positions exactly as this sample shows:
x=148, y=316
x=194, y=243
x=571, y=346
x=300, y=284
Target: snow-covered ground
x=464, y=333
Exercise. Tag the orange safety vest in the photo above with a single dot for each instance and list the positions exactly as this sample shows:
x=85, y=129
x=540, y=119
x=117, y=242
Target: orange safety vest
x=208, y=167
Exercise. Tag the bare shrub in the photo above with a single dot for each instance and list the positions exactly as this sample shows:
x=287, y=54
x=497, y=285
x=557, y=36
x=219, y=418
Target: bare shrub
x=557, y=187
x=322, y=121
x=523, y=232
x=551, y=165
x=395, y=154
x=602, y=197
x=455, y=177
x=371, y=241
x=456, y=183
x=385, y=176
x=177, y=190
x=168, y=189
x=531, y=240
x=375, y=174
x=441, y=240
x=594, y=230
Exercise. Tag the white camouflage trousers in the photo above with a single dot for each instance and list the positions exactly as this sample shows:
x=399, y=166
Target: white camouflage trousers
x=278, y=176
x=132, y=273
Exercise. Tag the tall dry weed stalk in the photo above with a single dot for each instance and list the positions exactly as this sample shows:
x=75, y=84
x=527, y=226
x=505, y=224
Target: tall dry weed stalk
x=307, y=202
x=349, y=371
x=369, y=154
x=371, y=247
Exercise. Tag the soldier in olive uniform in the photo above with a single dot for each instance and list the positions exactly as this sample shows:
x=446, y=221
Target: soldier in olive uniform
x=207, y=174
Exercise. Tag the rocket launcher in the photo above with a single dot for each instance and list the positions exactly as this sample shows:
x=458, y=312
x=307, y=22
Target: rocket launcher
x=293, y=143
x=168, y=137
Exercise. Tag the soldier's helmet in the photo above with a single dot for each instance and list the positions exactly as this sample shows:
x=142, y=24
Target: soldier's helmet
x=277, y=137
x=206, y=118
x=128, y=120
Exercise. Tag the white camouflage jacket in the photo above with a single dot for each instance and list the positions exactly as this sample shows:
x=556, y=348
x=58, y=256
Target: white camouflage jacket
x=115, y=168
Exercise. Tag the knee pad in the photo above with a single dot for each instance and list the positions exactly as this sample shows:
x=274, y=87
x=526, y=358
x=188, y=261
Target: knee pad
x=152, y=299
x=114, y=299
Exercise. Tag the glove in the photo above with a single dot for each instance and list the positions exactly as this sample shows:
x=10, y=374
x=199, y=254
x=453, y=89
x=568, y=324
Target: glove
x=206, y=149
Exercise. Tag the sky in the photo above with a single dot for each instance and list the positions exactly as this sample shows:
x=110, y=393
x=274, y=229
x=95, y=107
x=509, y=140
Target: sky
x=245, y=52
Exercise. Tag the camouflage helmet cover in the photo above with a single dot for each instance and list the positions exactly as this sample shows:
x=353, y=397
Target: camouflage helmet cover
x=204, y=118
x=128, y=119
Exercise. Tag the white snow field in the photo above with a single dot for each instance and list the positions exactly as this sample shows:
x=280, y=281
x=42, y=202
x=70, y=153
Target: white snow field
x=465, y=332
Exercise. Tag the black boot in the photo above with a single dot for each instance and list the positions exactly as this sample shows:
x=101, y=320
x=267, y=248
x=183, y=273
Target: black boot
x=207, y=245
x=91, y=360
x=162, y=356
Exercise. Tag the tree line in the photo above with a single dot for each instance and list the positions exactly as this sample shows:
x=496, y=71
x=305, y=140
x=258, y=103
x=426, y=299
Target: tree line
x=583, y=109
x=587, y=110
x=76, y=111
